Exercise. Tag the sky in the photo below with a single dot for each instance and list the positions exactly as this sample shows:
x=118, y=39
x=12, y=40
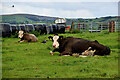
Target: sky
x=63, y=8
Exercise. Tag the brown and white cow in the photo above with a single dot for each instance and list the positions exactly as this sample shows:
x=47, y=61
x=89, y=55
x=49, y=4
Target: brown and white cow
x=70, y=45
x=25, y=37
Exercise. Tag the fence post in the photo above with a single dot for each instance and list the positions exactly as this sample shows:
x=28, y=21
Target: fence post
x=101, y=27
x=91, y=28
x=113, y=26
x=79, y=26
x=110, y=26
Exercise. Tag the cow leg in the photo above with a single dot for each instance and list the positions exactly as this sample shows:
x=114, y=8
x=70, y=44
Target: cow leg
x=65, y=52
x=29, y=40
x=21, y=41
x=55, y=50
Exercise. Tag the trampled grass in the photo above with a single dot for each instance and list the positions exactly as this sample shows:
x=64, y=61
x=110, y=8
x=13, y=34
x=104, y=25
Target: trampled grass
x=32, y=60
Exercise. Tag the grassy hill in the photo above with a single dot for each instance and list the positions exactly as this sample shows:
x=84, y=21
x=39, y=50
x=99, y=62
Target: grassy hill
x=26, y=18
x=30, y=18
x=93, y=20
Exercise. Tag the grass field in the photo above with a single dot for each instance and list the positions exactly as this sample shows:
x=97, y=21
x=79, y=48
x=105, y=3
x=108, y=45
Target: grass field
x=32, y=60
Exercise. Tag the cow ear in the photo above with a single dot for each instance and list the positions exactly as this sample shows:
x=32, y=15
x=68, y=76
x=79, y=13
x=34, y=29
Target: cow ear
x=60, y=37
x=50, y=38
x=96, y=41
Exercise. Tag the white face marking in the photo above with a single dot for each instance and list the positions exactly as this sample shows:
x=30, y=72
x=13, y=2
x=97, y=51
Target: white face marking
x=20, y=34
x=55, y=42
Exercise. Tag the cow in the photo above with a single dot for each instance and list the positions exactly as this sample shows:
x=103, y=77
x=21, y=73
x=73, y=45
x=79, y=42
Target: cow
x=70, y=45
x=25, y=37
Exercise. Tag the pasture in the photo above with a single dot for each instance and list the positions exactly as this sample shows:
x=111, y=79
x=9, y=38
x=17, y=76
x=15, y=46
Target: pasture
x=32, y=60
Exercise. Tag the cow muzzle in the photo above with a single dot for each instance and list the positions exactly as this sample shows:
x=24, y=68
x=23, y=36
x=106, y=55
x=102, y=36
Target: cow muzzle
x=54, y=46
x=51, y=53
x=18, y=37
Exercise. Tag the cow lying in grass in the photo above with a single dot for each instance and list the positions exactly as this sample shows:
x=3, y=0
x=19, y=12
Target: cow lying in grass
x=25, y=37
x=70, y=45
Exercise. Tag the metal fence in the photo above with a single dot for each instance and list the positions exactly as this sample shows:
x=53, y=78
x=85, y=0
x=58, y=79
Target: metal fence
x=111, y=26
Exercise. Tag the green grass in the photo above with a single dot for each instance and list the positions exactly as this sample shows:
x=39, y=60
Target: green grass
x=32, y=60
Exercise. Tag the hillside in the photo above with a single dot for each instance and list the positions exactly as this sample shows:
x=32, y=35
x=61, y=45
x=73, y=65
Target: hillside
x=26, y=18
x=30, y=18
x=94, y=20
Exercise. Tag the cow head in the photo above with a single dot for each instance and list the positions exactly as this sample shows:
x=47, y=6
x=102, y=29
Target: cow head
x=21, y=33
x=56, y=39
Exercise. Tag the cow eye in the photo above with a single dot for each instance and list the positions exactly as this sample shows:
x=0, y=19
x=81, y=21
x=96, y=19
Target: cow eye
x=58, y=40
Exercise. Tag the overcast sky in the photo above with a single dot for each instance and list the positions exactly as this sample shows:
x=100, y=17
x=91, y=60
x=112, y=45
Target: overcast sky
x=64, y=9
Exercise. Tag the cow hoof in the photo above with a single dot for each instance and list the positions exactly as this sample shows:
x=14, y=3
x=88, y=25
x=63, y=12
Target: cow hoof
x=51, y=53
x=17, y=42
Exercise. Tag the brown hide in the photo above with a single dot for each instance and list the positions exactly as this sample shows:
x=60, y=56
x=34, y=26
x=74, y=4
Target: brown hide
x=29, y=37
x=72, y=45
